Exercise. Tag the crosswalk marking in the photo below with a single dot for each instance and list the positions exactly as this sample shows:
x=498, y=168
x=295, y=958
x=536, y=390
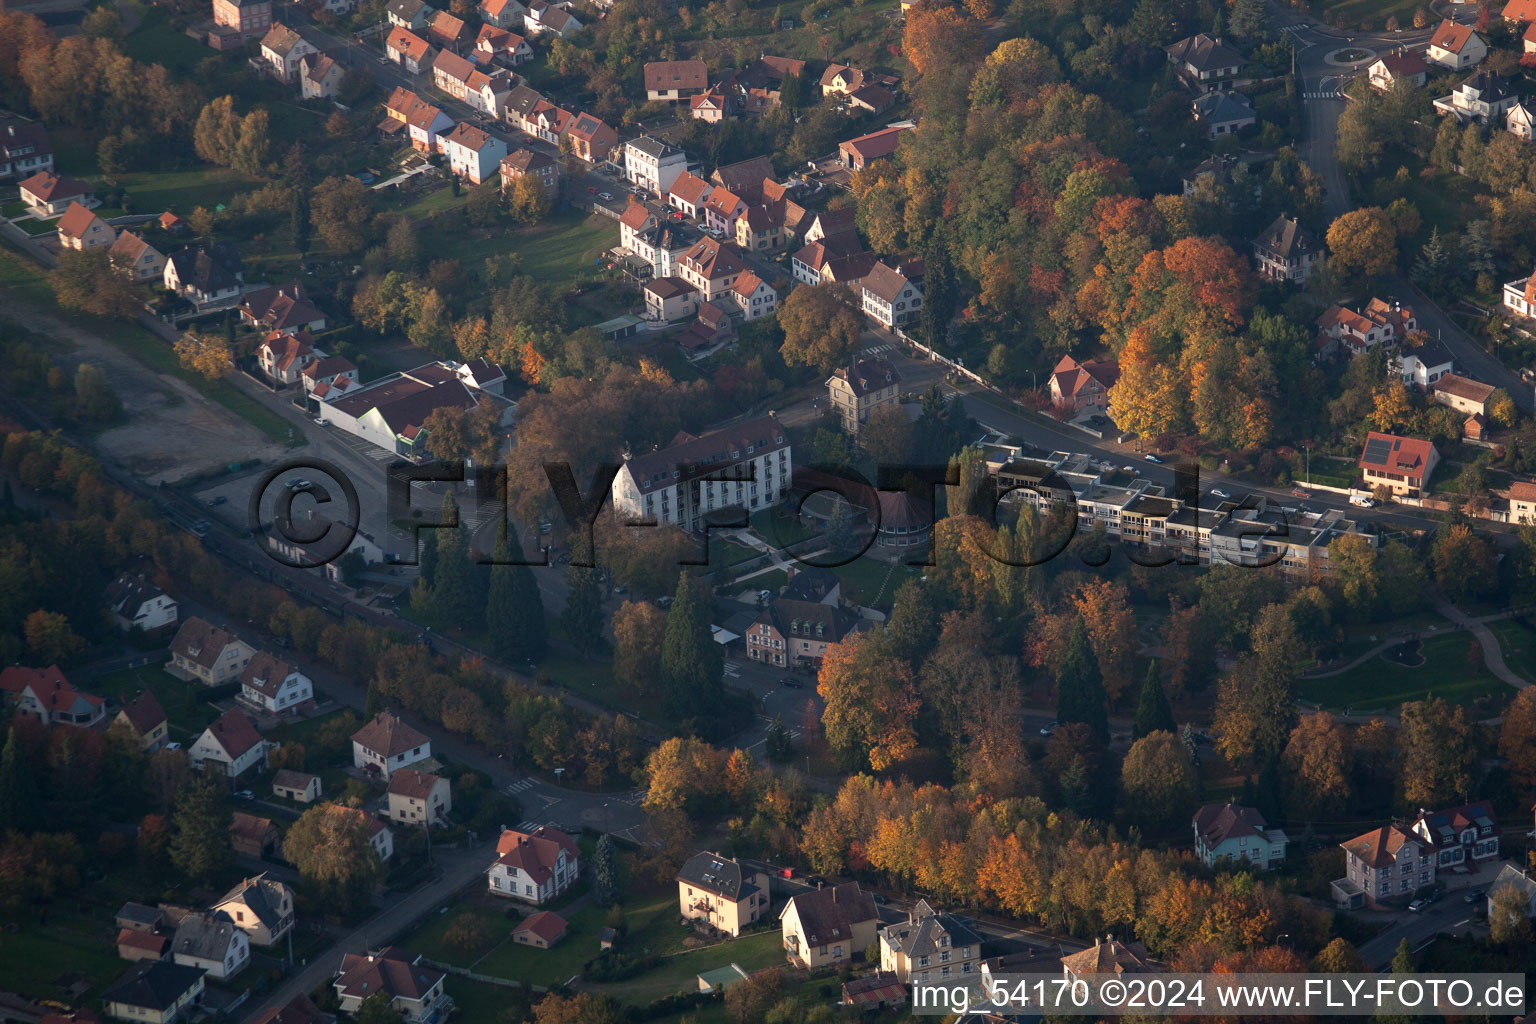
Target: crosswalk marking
x=520, y=785
x=528, y=826
x=876, y=350
x=1335, y=95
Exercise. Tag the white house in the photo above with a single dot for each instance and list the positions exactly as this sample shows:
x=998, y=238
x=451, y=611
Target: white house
x=415, y=990
x=271, y=684
x=473, y=154
x=930, y=948
x=386, y=744
x=534, y=866
x=283, y=49
x=212, y=942
x=136, y=603
x=1481, y=99
x=1456, y=47
x=410, y=14
x=1520, y=296
x=1239, y=833
x=753, y=296
x=1520, y=120
x=1423, y=365
x=416, y=798
x=203, y=651
x=260, y=906
x=549, y=19
x=681, y=483
x=889, y=298
x=202, y=276
x=232, y=743
x=652, y=164
x=1460, y=835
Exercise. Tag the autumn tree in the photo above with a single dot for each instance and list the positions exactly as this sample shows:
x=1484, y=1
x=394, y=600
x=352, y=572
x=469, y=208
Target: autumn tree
x=1465, y=563
x=821, y=325
x=1105, y=608
x=1159, y=780
x=341, y=209
x=871, y=701
x=85, y=279
x=887, y=435
x=582, y=1008
x=50, y=640
x=1437, y=748
x=329, y=846
x=1509, y=919
x=21, y=807
x=1363, y=241
x=938, y=37
x=637, y=632
x=1517, y=739
x=1338, y=957
x=207, y=354
x=1317, y=760
x=1256, y=706
x=200, y=844
x=527, y=200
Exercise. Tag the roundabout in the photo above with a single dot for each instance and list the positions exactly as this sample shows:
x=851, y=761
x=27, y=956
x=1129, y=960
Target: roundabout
x=1350, y=56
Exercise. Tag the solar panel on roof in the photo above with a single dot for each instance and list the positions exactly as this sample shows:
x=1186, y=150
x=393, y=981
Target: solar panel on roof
x=1377, y=449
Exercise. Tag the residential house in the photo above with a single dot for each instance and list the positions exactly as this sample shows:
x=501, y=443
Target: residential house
x=1384, y=865
x=1520, y=120
x=204, y=275
x=447, y=32
x=858, y=390
x=386, y=744
x=850, y=270
x=1423, y=365
x=450, y=73
x=1528, y=39
x=1239, y=833
x=253, y=835
x=155, y=992
x=930, y=948
x=549, y=171
x=711, y=266
x=694, y=476
x=722, y=892
x=536, y=866
x=654, y=165
x=232, y=744
x=840, y=80
x=426, y=127
x=889, y=297
x=24, y=147
x=473, y=154
x=546, y=19
x=669, y=299
x=136, y=259
x=283, y=48
x=172, y=224
x=1520, y=296
x=810, y=261
x=1077, y=386
x=547, y=121
x=328, y=377
x=51, y=194
x=212, y=943
x=408, y=14
x=203, y=651
x=416, y=798
x=712, y=331
x=283, y=307
x=1204, y=63
x=592, y=138
x=144, y=720
x=768, y=73
x=415, y=990
x=320, y=77
x=827, y=926
x=1519, y=12
x=1406, y=66
x=674, y=80
x=300, y=787
x=1459, y=835
x=761, y=228
x=298, y=1010
x=1223, y=113
x=500, y=46
x=260, y=906
x=856, y=154
x=1512, y=876
x=1109, y=956
x=139, y=917
x=1465, y=395
x=1401, y=464
x=272, y=685
x=136, y=945
x=503, y=14
x=712, y=106
x=721, y=211
x=1286, y=251
x=80, y=229
x=1379, y=323
x=687, y=193
x=392, y=412
x=408, y=49
x=540, y=930
x=1456, y=47
x=381, y=839
x=46, y=695
x=1481, y=99
x=753, y=296
x=745, y=177
x=136, y=603
x=797, y=634
x=235, y=21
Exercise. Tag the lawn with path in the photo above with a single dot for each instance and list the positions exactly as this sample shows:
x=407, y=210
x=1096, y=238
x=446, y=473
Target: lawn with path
x=561, y=249
x=1379, y=684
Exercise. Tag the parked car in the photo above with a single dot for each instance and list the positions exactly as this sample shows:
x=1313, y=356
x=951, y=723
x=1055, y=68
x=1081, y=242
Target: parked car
x=1046, y=730
x=605, y=197
x=1220, y=493
x=245, y=794
x=1418, y=906
x=1300, y=492
x=1473, y=895
x=816, y=881
x=1129, y=469
x=200, y=527
x=320, y=421
x=217, y=501
x=1151, y=458
x=792, y=684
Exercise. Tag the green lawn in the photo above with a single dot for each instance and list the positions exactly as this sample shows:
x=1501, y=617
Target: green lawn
x=1517, y=641
x=185, y=712
x=39, y=227
x=726, y=553
x=678, y=973
x=13, y=209
x=186, y=189
x=1444, y=201
x=1379, y=684
x=156, y=42
x=34, y=964
x=1376, y=10
x=479, y=1001
x=561, y=249
x=434, y=199
x=871, y=581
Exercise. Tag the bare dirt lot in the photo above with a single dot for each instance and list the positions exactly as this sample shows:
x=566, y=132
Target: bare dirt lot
x=172, y=430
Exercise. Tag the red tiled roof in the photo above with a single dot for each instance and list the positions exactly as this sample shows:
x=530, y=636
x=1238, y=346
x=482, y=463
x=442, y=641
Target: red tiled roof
x=1406, y=455
x=403, y=40
x=387, y=736
x=146, y=941
x=874, y=145
x=50, y=187
x=234, y=733
x=1378, y=847
x=1451, y=36
x=394, y=971
x=414, y=785
x=535, y=852
x=76, y=221
x=664, y=75
x=546, y=925
x=18, y=677
x=144, y=713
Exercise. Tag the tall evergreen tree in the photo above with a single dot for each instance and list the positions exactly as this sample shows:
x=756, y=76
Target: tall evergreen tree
x=453, y=586
x=1080, y=687
x=1432, y=260
x=1152, y=710
x=514, y=611
x=373, y=703
x=582, y=619
x=21, y=807
x=200, y=847
x=1250, y=20
x=839, y=536
x=913, y=628
x=692, y=664
x=938, y=291
x=298, y=220
x=605, y=872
